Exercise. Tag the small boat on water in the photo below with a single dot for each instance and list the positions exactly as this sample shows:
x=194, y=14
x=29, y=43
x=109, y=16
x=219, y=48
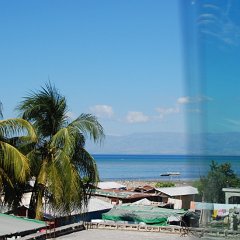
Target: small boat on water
x=170, y=174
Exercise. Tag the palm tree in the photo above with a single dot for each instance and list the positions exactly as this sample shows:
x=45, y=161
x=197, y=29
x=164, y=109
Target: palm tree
x=62, y=167
x=15, y=135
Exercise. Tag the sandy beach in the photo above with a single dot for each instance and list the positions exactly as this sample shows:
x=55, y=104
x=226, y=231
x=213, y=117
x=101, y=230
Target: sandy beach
x=137, y=183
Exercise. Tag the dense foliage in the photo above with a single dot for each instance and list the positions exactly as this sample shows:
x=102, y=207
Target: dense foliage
x=46, y=146
x=219, y=176
x=15, y=135
x=164, y=184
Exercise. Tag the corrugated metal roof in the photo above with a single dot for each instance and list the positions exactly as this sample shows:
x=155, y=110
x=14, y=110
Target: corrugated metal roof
x=110, y=185
x=143, y=201
x=11, y=224
x=145, y=189
x=121, y=194
x=178, y=191
x=96, y=204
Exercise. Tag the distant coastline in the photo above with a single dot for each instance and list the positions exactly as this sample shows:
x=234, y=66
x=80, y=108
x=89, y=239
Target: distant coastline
x=170, y=143
x=146, y=167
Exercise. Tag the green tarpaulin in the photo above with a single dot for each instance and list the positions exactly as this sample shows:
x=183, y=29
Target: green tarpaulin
x=147, y=214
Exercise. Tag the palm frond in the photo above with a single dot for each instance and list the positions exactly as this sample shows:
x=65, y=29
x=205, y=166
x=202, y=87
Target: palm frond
x=55, y=182
x=46, y=109
x=72, y=191
x=13, y=192
x=13, y=127
x=67, y=143
x=4, y=177
x=63, y=141
x=89, y=125
x=43, y=173
x=39, y=205
x=14, y=162
x=86, y=166
x=35, y=161
x=63, y=169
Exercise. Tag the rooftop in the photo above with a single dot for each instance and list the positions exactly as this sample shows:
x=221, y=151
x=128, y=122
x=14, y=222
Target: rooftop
x=94, y=205
x=231, y=190
x=11, y=224
x=121, y=194
x=178, y=191
x=110, y=185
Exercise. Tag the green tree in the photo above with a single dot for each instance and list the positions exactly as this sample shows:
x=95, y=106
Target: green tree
x=14, y=165
x=164, y=184
x=63, y=169
x=218, y=177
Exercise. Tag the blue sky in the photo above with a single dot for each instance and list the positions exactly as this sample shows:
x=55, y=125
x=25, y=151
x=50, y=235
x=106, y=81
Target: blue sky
x=120, y=60
x=212, y=47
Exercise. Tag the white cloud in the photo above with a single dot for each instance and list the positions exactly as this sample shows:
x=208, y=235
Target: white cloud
x=183, y=100
x=136, y=117
x=103, y=111
x=196, y=99
x=194, y=110
x=71, y=115
x=167, y=111
x=200, y=99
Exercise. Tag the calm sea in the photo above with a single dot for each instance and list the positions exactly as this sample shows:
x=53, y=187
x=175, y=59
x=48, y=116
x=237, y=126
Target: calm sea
x=149, y=167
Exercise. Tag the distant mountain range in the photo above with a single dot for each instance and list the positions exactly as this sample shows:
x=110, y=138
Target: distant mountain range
x=169, y=143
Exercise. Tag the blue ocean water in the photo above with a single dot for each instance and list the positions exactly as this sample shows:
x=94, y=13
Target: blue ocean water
x=149, y=167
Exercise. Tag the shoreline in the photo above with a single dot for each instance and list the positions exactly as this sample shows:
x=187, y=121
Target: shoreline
x=136, y=183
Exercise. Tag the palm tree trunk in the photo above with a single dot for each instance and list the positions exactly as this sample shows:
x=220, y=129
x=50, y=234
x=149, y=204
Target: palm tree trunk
x=36, y=202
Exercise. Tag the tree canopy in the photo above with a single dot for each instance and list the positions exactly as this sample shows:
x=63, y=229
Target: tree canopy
x=218, y=177
x=15, y=135
x=62, y=168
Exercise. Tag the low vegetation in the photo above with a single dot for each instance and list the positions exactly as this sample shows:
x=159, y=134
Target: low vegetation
x=164, y=184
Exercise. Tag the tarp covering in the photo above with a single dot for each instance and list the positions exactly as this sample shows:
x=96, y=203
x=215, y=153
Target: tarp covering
x=147, y=214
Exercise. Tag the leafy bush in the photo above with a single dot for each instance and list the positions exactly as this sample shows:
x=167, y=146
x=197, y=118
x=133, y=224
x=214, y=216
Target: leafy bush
x=219, y=176
x=164, y=184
